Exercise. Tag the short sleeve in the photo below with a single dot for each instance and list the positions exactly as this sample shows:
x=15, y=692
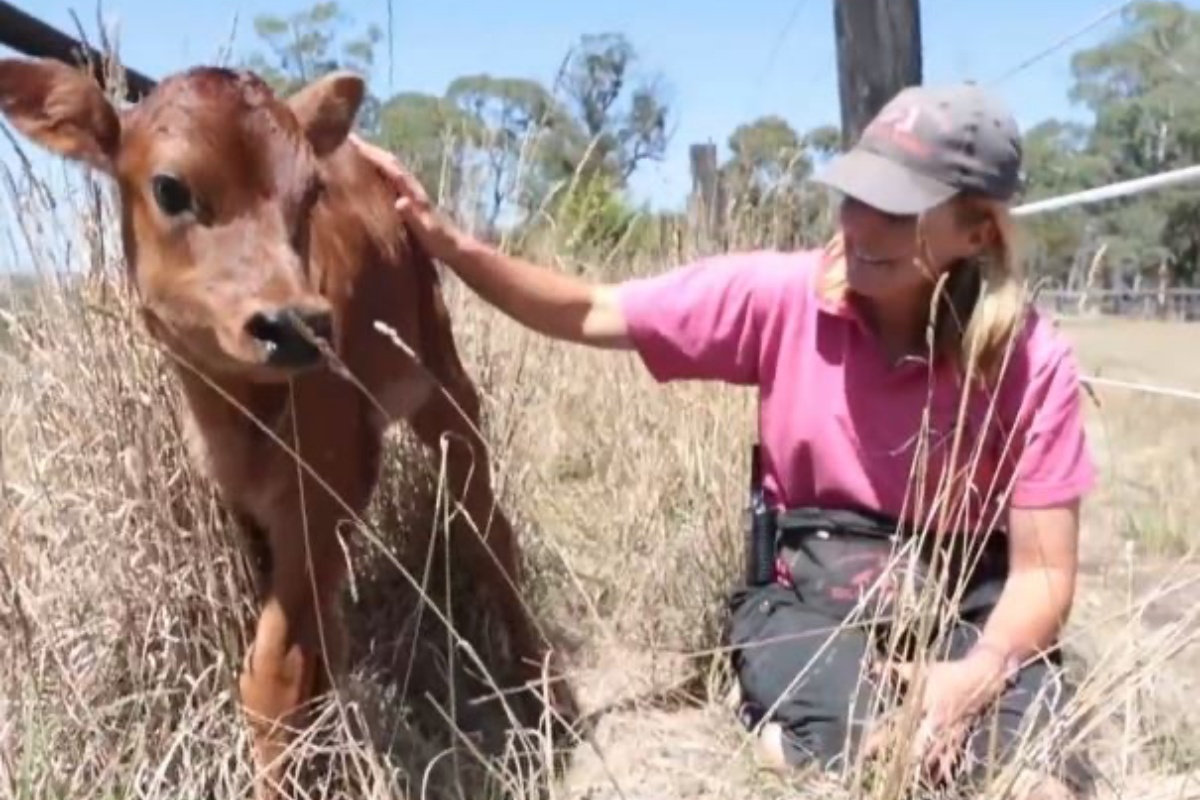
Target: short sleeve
x=703, y=320
x=1054, y=458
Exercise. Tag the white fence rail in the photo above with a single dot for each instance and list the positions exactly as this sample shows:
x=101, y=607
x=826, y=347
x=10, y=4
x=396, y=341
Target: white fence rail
x=1111, y=191
x=1174, y=304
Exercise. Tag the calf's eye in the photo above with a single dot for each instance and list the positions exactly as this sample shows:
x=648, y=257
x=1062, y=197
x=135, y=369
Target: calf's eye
x=171, y=194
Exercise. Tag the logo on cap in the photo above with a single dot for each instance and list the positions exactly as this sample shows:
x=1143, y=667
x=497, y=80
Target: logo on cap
x=897, y=123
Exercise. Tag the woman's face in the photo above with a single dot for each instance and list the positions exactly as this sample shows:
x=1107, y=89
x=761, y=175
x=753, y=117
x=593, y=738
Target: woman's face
x=884, y=258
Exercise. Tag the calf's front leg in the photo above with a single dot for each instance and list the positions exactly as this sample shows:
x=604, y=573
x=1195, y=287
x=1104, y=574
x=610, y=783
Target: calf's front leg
x=299, y=643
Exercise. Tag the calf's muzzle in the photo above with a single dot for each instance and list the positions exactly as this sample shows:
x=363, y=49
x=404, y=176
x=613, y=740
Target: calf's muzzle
x=290, y=335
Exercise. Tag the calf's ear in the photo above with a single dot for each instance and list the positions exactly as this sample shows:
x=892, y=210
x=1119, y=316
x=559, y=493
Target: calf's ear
x=326, y=109
x=61, y=109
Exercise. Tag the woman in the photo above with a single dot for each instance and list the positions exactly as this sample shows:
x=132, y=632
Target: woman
x=857, y=406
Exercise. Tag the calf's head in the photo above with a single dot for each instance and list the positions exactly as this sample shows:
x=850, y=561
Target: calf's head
x=217, y=181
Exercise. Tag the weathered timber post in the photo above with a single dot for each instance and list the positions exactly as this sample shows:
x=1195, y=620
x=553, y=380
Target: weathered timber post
x=706, y=206
x=1164, y=277
x=878, y=54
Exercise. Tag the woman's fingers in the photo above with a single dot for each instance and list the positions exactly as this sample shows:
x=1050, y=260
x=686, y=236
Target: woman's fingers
x=405, y=183
x=944, y=722
x=945, y=753
x=412, y=203
x=878, y=737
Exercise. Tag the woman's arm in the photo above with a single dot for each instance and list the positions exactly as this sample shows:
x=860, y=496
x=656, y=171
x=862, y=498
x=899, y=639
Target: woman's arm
x=1038, y=594
x=551, y=303
x=1028, y=617
x=1055, y=473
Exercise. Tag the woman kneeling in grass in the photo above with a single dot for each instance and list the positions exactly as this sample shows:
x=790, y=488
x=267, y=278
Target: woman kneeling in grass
x=907, y=396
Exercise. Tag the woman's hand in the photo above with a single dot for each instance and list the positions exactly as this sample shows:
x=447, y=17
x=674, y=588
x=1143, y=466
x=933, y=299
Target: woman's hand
x=952, y=694
x=437, y=234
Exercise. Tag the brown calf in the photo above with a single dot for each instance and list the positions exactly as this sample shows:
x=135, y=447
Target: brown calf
x=250, y=227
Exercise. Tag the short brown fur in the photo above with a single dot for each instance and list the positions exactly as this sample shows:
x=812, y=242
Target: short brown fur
x=281, y=215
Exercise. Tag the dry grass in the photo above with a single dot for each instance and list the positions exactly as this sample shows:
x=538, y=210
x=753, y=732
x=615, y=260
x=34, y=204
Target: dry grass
x=124, y=594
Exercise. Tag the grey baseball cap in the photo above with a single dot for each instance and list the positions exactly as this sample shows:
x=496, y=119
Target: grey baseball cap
x=926, y=145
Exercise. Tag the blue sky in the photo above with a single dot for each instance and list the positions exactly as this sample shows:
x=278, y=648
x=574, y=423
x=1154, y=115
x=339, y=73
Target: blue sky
x=723, y=62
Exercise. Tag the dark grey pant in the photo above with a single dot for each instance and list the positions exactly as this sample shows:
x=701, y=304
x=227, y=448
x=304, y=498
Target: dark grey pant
x=783, y=635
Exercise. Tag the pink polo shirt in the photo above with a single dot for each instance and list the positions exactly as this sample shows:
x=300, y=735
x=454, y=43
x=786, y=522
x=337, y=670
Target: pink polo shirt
x=839, y=426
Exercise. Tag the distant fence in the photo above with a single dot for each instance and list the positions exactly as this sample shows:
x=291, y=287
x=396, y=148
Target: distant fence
x=1172, y=304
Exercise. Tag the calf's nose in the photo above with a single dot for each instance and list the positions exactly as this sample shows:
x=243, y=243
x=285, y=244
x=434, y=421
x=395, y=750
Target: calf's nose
x=287, y=335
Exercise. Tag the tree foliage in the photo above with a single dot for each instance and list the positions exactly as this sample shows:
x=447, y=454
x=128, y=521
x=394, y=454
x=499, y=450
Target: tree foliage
x=307, y=44
x=623, y=124
x=510, y=143
x=426, y=131
x=1139, y=87
x=511, y=117
x=518, y=147
x=765, y=179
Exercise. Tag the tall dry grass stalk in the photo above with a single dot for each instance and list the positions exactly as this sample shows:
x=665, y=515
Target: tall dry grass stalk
x=125, y=592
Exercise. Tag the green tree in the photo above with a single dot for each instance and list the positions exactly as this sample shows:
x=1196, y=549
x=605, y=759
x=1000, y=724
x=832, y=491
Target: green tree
x=594, y=216
x=1058, y=161
x=767, y=157
x=823, y=142
x=309, y=43
x=511, y=116
x=765, y=180
x=622, y=121
x=1139, y=87
x=539, y=148
x=431, y=135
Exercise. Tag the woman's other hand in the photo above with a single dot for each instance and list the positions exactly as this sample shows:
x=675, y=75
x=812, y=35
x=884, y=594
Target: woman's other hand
x=952, y=695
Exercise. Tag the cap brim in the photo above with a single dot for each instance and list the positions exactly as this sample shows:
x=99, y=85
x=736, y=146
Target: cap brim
x=883, y=184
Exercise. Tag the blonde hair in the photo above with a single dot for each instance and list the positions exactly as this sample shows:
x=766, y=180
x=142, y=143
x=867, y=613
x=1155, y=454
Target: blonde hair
x=979, y=303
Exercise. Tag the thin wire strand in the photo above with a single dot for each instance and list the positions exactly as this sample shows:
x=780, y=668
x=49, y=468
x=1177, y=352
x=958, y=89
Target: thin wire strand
x=1146, y=388
x=1058, y=45
x=779, y=40
x=753, y=97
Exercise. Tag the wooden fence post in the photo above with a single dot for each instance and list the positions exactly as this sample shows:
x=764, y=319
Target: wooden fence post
x=706, y=204
x=878, y=54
